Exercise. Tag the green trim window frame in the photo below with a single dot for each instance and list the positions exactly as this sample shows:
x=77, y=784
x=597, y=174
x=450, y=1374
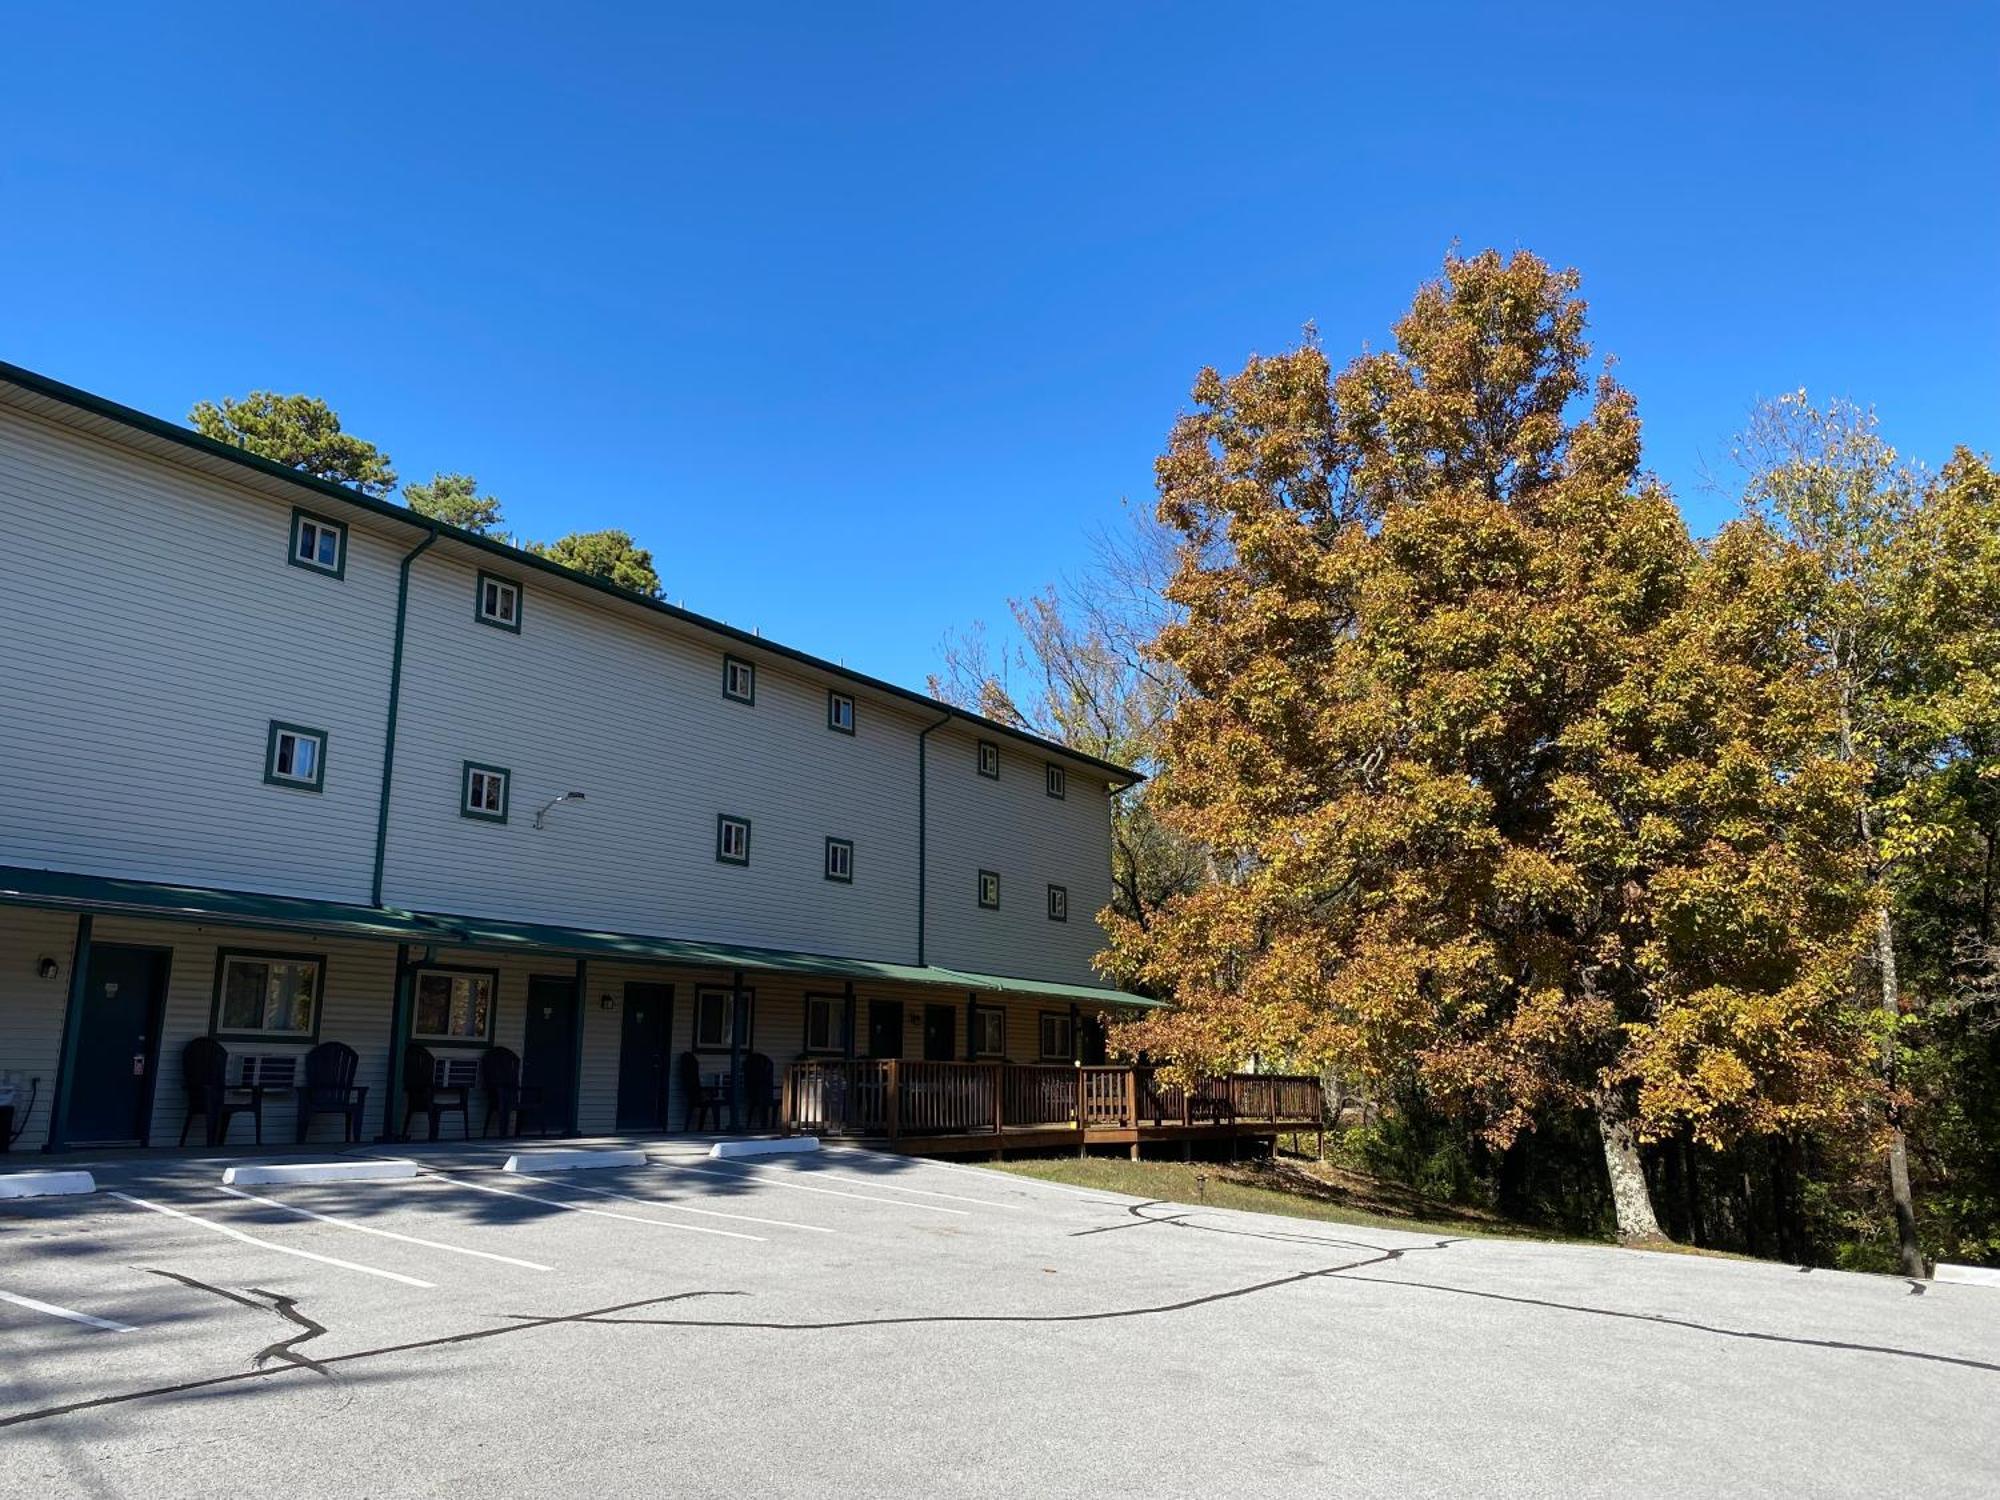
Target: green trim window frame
x=989, y=760
x=840, y=860
x=453, y=1006
x=739, y=680
x=1058, y=781
x=732, y=839
x=715, y=1015
x=1058, y=1041
x=267, y=997
x=318, y=545
x=989, y=890
x=496, y=601
x=1058, y=903
x=482, y=792
x=295, y=756
x=826, y=1026
x=839, y=711
x=989, y=1031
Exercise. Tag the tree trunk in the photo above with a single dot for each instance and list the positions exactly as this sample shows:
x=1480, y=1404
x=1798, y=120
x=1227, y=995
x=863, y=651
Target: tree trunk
x=1630, y=1197
x=1899, y=1156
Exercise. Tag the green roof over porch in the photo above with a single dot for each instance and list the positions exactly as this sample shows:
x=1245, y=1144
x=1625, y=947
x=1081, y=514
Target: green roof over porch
x=103, y=894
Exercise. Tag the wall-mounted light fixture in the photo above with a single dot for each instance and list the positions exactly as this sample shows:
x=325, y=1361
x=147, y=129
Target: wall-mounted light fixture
x=543, y=811
x=46, y=968
x=604, y=1002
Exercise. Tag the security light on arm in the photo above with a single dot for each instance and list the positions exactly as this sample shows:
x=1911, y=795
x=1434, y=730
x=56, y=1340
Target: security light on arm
x=543, y=812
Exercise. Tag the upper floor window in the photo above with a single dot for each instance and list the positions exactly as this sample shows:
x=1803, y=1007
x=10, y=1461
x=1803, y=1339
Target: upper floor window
x=840, y=712
x=732, y=840
x=739, y=679
x=840, y=860
x=295, y=756
x=989, y=1031
x=272, y=996
x=989, y=760
x=454, y=1005
x=826, y=1023
x=989, y=890
x=318, y=544
x=483, y=793
x=1058, y=903
x=1058, y=780
x=498, y=603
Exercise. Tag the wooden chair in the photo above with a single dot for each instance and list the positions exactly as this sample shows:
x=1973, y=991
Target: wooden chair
x=701, y=1101
x=205, y=1076
x=760, y=1092
x=422, y=1092
x=500, y=1072
x=330, y=1089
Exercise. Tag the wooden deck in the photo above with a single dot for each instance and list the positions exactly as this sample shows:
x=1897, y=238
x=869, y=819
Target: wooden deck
x=940, y=1108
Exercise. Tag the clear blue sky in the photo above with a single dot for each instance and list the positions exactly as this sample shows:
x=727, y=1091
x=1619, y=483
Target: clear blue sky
x=863, y=316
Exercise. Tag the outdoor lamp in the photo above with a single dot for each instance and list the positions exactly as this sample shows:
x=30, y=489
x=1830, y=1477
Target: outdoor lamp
x=543, y=812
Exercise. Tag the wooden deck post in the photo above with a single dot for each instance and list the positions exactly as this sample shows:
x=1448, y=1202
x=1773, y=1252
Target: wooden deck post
x=894, y=1103
x=786, y=1113
x=999, y=1070
x=1132, y=1103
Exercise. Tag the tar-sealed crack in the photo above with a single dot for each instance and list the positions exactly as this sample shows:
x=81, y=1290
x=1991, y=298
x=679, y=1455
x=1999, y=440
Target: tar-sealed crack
x=285, y=1307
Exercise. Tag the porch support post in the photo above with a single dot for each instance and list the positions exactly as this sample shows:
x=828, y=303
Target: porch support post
x=971, y=1015
x=576, y=1062
x=399, y=1012
x=59, y=1097
x=739, y=1027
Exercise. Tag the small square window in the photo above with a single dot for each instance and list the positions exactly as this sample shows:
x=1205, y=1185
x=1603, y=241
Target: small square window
x=318, y=544
x=989, y=890
x=1058, y=780
x=989, y=760
x=826, y=1024
x=840, y=860
x=739, y=679
x=989, y=1031
x=1055, y=1036
x=498, y=603
x=295, y=756
x=483, y=793
x=732, y=840
x=1058, y=903
x=715, y=1018
x=840, y=713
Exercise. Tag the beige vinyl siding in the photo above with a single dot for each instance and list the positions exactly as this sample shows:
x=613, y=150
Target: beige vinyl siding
x=152, y=629
x=31, y=1010
x=1032, y=840
x=632, y=714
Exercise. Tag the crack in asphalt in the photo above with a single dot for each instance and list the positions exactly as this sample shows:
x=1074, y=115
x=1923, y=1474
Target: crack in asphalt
x=285, y=1307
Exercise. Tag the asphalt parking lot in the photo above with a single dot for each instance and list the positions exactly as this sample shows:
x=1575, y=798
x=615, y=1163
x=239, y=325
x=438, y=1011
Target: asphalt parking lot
x=860, y=1324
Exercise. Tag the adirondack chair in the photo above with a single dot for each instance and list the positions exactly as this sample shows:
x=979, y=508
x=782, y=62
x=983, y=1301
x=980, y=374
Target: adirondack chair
x=423, y=1093
x=330, y=1089
x=702, y=1101
x=507, y=1097
x=205, y=1076
x=760, y=1092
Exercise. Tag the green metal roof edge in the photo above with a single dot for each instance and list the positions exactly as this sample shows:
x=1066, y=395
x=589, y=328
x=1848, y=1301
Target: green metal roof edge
x=65, y=890
x=187, y=437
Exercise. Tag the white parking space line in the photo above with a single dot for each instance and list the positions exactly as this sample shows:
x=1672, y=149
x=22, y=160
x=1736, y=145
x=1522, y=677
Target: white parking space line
x=251, y=1239
x=66, y=1312
x=679, y=1208
x=894, y=1187
x=602, y=1213
x=801, y=1187
x=387, y=1234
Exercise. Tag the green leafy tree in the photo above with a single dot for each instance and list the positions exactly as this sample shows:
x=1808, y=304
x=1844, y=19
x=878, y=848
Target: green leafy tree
x=611, y=555
x=455, y=500
x=301, y=432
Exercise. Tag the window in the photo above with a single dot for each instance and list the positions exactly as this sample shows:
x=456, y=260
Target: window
x=1058, y=780
x=826, y=1023
x=989, y=1031
x=455, y=1005
x=498, y=603
x=269, y=996
x=483, y=793
x=839, y=713
x=295, y=756
x=739, y=679
x=732, y=840
x=1056, y=1035
x=989, y=890
x=1058, y=903
x=840, y=860
x=715, y=1018
x=318, y=544
x=989, y=760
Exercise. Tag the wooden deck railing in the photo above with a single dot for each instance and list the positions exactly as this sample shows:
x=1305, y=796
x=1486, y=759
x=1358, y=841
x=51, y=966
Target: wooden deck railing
x=892, y=1098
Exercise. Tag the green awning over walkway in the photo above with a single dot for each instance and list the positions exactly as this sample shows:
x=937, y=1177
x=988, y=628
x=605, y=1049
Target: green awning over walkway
x=106, y=894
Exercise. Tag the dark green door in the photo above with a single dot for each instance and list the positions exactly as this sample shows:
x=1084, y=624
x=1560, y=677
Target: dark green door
x=548, y=1048
x=642, y=1057
x=940, y=1033
x=117, y=1046
x=885, y=1028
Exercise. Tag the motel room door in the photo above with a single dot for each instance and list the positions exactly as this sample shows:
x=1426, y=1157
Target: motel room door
x=548, y=1047
x=642, y=1056
x=885, y=1028
x=940, y=1033
x=117, y=1046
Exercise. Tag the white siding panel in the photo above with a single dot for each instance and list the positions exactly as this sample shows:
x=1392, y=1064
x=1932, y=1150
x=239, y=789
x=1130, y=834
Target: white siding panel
x=31, y=1011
